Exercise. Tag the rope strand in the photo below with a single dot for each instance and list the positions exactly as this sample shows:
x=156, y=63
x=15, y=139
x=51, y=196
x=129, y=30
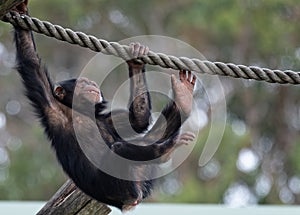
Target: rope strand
x=163, y=60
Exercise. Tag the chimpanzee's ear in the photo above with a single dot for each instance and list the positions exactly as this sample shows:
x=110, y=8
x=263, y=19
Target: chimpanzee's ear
x=59, y=92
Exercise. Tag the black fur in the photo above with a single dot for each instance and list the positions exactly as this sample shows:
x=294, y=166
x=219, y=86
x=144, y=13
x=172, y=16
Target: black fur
x=56, y=118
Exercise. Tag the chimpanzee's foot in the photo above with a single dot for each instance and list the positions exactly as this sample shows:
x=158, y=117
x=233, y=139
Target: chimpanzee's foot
x=183, y=90
x=184, y=139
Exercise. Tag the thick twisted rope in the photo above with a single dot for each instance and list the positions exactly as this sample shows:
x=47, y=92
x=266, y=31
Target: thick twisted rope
x=165, y=61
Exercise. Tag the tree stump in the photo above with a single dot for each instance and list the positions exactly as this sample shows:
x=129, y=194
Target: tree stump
x=69, y=200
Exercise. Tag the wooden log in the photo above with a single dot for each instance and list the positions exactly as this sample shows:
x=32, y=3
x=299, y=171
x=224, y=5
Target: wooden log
x=7, y=5
x=69, y=200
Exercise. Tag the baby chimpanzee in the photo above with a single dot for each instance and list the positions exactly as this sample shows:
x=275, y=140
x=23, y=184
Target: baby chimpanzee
x=58, y=113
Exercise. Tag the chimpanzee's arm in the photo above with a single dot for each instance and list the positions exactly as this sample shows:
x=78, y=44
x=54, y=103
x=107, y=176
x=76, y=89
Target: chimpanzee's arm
x=123, y=123
x=139, y=102
x=126, y=124
x=37, y=83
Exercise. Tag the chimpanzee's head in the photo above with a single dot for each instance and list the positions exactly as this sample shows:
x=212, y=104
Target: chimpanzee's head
x=86, y=92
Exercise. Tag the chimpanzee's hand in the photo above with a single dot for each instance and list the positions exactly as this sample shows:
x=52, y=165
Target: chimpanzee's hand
x=22, y=8
x=137, y=50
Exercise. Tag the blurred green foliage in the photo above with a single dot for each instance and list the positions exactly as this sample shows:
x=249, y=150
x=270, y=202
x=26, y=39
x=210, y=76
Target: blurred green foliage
x=258, y=159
